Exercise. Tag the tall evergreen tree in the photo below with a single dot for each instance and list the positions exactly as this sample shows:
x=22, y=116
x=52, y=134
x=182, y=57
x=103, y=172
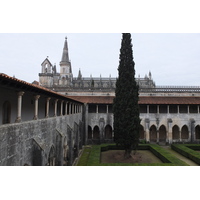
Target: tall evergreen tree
x=125, y=105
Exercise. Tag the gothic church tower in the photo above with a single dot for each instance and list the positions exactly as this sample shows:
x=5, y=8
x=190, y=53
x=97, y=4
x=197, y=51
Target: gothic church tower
x=66, y=75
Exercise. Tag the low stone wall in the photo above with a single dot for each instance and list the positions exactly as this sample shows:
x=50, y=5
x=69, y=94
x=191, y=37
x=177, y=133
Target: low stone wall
x=50, y=141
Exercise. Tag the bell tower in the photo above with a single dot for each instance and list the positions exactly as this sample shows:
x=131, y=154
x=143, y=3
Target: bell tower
x=46, y=76
x=65, y=66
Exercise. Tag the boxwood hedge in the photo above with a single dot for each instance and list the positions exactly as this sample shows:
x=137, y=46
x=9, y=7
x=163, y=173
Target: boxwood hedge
x=188, y=150
x=92, y=156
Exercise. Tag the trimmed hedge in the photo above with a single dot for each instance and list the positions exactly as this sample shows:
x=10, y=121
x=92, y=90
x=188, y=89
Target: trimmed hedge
x=84, y=157
x=166, y=157
x=187, y=150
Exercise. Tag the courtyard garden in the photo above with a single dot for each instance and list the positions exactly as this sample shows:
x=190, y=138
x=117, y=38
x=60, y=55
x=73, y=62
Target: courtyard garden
x=146, y=155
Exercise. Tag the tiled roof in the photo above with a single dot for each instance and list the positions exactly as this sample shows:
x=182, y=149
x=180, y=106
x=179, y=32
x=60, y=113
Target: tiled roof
x=93, y=99
x=142, y=100
x=24, y=86
x=169, y=100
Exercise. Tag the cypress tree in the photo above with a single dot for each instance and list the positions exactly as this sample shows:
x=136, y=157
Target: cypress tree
x=125, y=105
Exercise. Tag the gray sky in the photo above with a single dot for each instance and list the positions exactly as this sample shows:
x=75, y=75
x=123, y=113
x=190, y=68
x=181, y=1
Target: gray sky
x=172, y=58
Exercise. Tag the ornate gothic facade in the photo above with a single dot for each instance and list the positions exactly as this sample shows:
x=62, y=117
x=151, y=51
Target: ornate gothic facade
x=64, y=81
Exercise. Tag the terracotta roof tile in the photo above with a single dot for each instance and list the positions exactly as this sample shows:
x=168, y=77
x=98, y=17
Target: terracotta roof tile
x=142, y=100
x=4, y=77
x=93, y=99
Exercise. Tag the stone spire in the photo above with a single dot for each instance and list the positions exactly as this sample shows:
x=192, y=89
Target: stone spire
x=79, y=75
x=65, y=55
x=65, y=64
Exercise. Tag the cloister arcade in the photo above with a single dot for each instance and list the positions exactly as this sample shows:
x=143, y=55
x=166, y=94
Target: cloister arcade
x=154, y=134
x=162, y=135
x=95, y=134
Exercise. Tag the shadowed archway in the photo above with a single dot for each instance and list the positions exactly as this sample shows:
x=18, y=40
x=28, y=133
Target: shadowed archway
x=184, y=132
x=175, y=132
x=197, y=132
x=108, y=132
x=96, y=133
x=162, y=134
x=153, y=133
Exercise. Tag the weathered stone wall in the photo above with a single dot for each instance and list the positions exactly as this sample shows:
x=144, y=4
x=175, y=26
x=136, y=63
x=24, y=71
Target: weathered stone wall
x=169, y=120
x=29, y=143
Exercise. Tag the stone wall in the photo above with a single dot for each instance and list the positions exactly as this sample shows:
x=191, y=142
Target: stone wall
x=50, y=141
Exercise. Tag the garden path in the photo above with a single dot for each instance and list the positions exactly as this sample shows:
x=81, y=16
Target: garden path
x=183, y=158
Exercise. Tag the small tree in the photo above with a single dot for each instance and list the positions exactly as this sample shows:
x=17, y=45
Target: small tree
x=125, y=105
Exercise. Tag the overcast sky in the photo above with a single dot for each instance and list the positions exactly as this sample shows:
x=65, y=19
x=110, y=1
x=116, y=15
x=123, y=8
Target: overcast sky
x=173, y=59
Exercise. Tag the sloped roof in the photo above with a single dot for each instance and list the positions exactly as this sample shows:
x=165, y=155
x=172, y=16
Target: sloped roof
x=93, y=99
x=10, y=82
x=142, y=100
x=169, y=100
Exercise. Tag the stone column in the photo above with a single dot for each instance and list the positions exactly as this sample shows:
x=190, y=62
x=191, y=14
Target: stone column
x=19, y=106
x=97, y=109
x=192, y=132
x=147, y=109
x=169, y=136
x=157, y=129
x=178, y=109
x=147, y=130
x=55, y=108
x=106, y=108
x=180, y=140
x=75, y=108
x=36, y=97
x=81, y=109
x=47, y=107
x=61, y=108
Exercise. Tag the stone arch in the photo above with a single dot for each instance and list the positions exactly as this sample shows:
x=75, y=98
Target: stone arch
x=141, y=132
x=89, y=132
x=184, y=132
x=175, y=132
x=52, y=156
x=162, y=134
x=153, y=133
x=6, y=112
x=96, y=133
x=108, y=132
x=197, y=132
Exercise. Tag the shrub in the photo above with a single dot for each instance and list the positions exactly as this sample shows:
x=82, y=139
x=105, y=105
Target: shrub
x=188, y=151
x=94, y=157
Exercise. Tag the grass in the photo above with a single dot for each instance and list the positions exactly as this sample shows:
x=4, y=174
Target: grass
x=91, y=156
x=84, y=157
x=188, y=150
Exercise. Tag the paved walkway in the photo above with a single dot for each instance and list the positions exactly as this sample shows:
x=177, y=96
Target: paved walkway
x=183, y=158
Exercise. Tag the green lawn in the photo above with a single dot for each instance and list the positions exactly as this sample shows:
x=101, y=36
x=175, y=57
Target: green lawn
x=91, y=156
